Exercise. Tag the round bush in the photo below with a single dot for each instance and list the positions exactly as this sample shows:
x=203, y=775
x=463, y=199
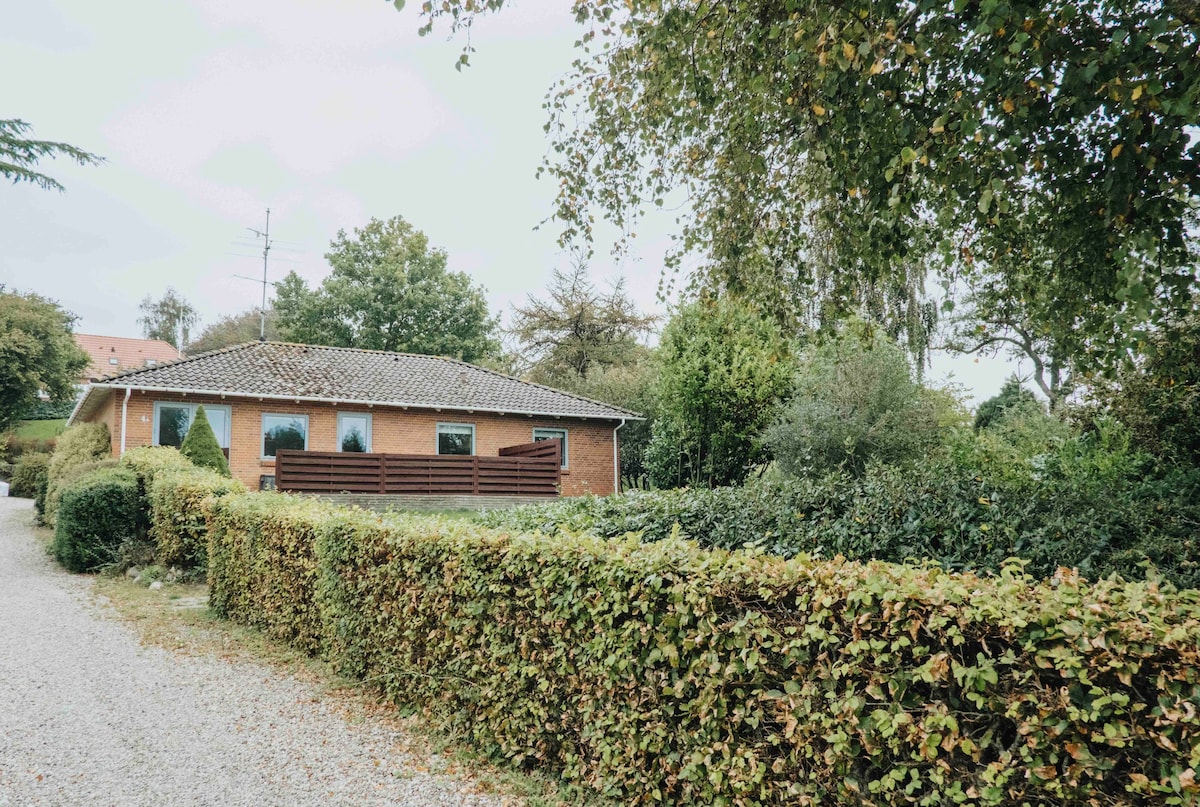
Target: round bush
x=96, y=513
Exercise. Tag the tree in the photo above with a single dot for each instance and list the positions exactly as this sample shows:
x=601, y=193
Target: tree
x=1011, y=399
x=389, y=290
x=19, y=155
x=38, y=354
x=855, y=401
x=970, y=136
x=234, y=329
x=579, y=329
x=169, y=319
x=201, y=447
x=725, y=368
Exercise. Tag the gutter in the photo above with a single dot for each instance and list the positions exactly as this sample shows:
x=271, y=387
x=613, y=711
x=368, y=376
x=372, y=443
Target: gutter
x=624, y=416
x=617, y=458
x=125, y=417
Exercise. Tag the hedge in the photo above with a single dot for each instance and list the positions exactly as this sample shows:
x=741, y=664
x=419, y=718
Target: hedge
x=177, y=524
x=666, y=673
x=29, y=476
x=82, y=444
x=96, y=514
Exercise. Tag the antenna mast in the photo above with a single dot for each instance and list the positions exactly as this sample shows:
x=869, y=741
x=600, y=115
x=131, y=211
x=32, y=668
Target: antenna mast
x=265, y=235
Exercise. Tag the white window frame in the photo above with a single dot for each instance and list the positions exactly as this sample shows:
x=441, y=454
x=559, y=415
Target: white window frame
x=191, y=407
x=370, y=427
x=437, y=439
x=262, y=431
x=546, y=434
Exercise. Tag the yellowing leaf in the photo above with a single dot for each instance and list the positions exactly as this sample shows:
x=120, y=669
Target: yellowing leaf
x=1008, y=105
x=1116, y=152
x=848, y=51
x=818, y=110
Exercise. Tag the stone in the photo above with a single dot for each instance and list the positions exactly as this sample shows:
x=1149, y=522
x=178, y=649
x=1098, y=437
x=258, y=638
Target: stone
x=156, y=585
x=133, y=572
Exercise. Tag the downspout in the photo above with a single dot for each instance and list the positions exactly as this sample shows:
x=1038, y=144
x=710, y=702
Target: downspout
x=617, y=460
x=125, y=416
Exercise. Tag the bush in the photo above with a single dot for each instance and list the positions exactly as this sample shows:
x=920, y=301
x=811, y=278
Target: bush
x=96, y=514
x=176, y=506
x=664, y=673
x=81, y=444
x=200, y=445
x=1012, y=398
x=855, y=401
x=12, y=446
x=29, y=476
x=49, y=410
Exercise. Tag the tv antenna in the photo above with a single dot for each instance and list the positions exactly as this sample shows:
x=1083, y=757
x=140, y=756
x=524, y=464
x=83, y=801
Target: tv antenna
x=265, y=235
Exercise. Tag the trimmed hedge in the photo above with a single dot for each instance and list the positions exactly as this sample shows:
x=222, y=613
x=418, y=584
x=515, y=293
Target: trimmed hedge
x=176, y=505
x=82, y=444
x=96, y=514
x=29, y=476
x=665, y=673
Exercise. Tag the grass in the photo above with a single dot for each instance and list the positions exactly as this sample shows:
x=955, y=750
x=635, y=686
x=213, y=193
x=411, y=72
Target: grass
x=39, y=429
x=177, y=618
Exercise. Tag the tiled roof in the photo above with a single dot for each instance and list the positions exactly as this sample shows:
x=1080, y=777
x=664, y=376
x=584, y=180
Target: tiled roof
x=129, y=353
x=310, y=372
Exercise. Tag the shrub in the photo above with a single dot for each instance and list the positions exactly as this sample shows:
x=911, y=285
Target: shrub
x=29, y=476
x=262, y=566
x=12, y=446
x=663, y=673
x=81, y=444
x=200, y=445
x=855, y=400
x=1012, y=396
x=176, y=506
x=96, y=514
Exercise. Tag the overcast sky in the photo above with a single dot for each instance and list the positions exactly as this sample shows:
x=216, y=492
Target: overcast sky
x=327, y=112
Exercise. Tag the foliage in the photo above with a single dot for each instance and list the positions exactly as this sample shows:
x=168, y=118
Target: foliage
x=147, y=463
x=169, y=319
x=579, y=329
x=29, y=476
x=235, y=329
x=81, y=444
x=1159, y=400
x=977, y=137
x=632, y=387
x=14, y=444
x=49, y=410
x=175, y=503
x=1012, y=396
x=1032, y=491
x=38, y=355
x=854, y=401
x=19, y=154
x=724, y=369
x=201, y=447
x=97, y=513
x=666, y=674
x=389, y=290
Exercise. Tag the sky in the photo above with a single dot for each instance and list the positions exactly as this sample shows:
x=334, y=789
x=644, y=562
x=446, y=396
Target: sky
x=209, y=112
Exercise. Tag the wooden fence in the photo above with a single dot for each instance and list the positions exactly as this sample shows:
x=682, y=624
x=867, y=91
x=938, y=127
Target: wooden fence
x=533, y=469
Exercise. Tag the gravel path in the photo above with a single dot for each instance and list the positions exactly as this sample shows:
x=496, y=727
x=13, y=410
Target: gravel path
x=89, y=716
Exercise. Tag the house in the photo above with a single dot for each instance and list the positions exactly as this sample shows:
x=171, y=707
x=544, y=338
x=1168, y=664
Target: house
x=263, y=397
x=113, y=354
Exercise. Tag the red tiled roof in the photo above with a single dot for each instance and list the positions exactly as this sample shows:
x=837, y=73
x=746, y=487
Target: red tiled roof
x=130, y=354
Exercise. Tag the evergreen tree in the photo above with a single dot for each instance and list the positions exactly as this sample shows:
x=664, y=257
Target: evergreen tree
x=200, y=445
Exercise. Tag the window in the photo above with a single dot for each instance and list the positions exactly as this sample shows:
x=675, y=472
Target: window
x=550, y=434
x=354, y=431
x=172, y=421
x=456, y=438
x=283, y=431
x=113, y=361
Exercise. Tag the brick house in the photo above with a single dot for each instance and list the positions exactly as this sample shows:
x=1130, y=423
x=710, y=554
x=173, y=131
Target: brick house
x=261, y=397
x=114, y=354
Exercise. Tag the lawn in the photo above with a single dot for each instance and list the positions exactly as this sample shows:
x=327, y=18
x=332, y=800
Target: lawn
x=39, y=429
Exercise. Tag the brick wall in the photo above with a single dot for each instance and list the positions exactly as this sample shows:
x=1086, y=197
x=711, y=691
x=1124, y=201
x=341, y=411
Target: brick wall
x=395, y=431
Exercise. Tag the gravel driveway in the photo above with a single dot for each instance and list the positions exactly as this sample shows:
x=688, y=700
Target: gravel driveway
x=89, y=716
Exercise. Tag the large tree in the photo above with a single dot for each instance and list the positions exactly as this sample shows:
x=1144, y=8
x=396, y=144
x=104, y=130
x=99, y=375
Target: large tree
x=20, y=154
x=38, y=354
x=234, y=329
x=169, y=318
x=578, y=328
x=949, y=135
x=389, y=290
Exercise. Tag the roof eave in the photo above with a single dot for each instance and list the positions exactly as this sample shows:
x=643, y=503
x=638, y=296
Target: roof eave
x=616, y=413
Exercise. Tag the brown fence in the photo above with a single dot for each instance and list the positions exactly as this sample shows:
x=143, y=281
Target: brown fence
x=533, y=469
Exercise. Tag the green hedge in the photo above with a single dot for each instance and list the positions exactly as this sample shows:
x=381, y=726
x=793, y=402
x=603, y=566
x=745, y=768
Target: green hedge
x=177, y=523
x=96, y=513
x=29, y=476
x=82, y=444
x=665, y=673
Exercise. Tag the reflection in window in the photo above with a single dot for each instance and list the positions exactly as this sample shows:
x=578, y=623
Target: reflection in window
x=284, y=431
x=456, y=438
x=354, y=432
x=173, y=423
x=553, y=434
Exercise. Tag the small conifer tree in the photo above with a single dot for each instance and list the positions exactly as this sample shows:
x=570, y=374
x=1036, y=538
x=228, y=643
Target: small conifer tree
x=200, y=445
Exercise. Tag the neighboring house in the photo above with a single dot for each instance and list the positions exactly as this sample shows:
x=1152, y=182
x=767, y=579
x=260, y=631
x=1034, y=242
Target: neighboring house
x=264, y=396
x=114, y=354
